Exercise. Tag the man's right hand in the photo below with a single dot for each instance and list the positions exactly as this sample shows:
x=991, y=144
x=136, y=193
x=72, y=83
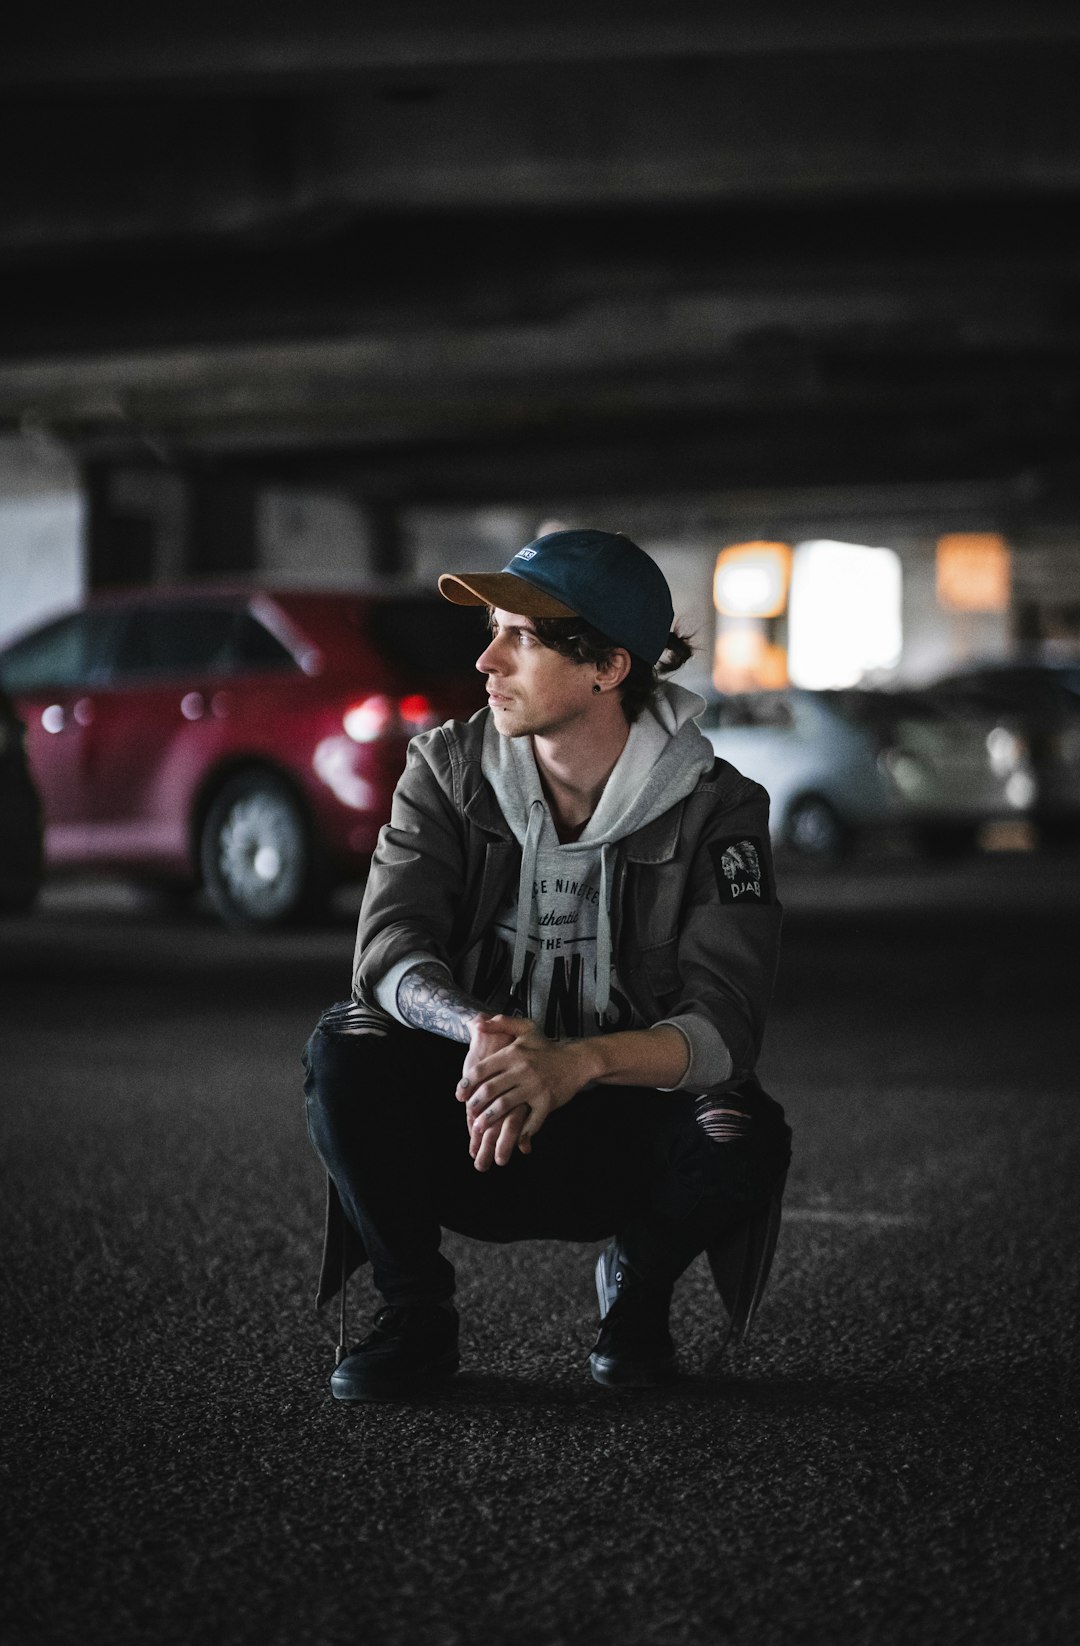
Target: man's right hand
x=484, y=1040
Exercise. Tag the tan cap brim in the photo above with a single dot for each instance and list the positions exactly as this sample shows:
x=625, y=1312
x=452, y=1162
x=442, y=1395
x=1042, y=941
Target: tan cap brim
x=502, y=589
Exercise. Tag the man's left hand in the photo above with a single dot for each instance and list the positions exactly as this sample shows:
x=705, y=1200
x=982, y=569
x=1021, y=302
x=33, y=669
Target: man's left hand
x=519, y=1086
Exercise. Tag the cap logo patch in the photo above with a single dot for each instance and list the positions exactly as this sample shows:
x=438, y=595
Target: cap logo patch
x=740, y=875
x=525, y=554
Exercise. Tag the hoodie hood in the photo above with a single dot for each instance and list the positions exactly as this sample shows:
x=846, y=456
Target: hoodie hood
x=664, y=756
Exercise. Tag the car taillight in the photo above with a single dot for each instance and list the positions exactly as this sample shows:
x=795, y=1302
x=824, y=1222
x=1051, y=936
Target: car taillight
x=416, y=712
x=381, y=716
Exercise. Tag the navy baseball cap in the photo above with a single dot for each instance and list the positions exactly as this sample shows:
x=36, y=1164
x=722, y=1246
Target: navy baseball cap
x=600, y=576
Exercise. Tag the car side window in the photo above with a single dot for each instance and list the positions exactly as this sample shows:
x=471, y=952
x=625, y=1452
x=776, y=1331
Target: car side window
x=254, y=647
x=733, y=712
x=738, y=713
x=174, y=640
x=70, y=653
x=425, y=635
x=181, y=641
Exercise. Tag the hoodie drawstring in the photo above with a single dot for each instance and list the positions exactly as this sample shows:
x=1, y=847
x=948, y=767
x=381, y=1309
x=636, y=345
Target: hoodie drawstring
x=529, y=851
x=603, y=934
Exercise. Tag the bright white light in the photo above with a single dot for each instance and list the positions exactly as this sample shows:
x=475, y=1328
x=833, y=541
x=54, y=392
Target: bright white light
x=750, y=579
x=844, y=614
x=745, y=589
x=369, y=720
x=1020, y=790
x=1005, y=750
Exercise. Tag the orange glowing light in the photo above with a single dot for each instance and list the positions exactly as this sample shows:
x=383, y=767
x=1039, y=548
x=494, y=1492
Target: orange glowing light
x=974, y=572
x=751, y=579
x=744, y=661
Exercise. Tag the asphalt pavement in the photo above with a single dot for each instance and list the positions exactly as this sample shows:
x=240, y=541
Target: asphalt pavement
x=895, y=1456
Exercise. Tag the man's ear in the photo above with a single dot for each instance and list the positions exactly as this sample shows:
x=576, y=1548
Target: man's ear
x=615, y=670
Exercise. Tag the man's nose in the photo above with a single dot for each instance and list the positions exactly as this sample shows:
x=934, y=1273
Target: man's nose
x=486, y=662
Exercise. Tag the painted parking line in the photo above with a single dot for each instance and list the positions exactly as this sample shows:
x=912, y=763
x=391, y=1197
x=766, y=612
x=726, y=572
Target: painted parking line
x=869, y=1220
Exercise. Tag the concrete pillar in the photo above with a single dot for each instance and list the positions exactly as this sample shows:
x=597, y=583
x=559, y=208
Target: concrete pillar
x=42, y=532
x=326, y=535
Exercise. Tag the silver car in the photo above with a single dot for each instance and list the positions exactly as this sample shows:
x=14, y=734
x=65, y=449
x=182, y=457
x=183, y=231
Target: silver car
x=1040, y=701
x=838, y=764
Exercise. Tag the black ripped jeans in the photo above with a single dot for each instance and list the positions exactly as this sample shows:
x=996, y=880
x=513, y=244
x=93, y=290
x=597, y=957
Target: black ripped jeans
x=625, y=1160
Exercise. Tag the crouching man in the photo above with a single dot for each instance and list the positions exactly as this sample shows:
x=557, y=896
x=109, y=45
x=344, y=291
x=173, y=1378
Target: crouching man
x=571, y=928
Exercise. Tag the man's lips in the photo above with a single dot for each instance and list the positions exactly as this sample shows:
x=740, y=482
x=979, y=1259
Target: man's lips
x=497, y=700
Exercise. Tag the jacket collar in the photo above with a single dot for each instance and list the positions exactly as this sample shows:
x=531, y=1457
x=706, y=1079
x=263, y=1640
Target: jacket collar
x=482, y=809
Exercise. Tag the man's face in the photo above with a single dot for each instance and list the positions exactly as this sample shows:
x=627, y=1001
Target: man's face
x=531, y=689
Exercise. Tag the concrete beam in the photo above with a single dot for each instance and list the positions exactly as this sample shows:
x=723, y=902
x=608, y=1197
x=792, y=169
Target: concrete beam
x=276, y=43
x=112, y=171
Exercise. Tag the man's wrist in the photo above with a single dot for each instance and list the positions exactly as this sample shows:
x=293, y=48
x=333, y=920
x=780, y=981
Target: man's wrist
x=589, y=1059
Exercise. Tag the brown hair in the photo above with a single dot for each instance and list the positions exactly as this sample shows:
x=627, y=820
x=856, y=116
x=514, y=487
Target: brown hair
x=572, y=637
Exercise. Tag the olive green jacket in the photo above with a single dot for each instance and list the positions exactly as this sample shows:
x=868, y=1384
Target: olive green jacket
x=694, y=915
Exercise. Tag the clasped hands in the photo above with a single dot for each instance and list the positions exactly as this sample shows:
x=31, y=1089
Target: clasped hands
x=512, y=1079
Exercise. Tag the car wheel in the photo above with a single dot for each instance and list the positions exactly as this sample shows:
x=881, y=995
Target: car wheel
x=256, y=852
x=813, y=829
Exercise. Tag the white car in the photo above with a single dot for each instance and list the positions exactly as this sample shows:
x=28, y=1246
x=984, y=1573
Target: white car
x=840, y=763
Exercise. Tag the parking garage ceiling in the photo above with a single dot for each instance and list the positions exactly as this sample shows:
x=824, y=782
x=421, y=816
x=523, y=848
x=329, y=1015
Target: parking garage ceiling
x=614, y=247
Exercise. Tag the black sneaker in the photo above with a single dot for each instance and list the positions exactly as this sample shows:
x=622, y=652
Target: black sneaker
x=633, y=1348
x=410, y=1349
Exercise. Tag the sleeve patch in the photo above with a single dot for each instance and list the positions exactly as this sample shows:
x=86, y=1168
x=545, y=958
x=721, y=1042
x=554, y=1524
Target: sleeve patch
x=740, y=868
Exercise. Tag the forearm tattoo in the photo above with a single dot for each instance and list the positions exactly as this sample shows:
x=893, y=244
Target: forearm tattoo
x=428, y=999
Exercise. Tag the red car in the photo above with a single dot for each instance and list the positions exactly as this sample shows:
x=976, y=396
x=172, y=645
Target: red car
x=247, y=739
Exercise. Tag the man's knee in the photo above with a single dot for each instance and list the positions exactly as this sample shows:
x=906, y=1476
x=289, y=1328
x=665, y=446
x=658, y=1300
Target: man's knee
x=340, y=1056
x=745, y=1154
x=350, y=1056
x=727, y=1150
x=747, y=1119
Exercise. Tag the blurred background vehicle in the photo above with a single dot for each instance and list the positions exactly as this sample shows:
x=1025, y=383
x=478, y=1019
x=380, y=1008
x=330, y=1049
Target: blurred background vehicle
x=21, y=863
x=839, y=764
x=246, y=739
x=1040, y=702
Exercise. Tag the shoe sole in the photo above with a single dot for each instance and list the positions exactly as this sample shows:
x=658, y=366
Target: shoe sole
x=424, y=1379
x=612, y=1376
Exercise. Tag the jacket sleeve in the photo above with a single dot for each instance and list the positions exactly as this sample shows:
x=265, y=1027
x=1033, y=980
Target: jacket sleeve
x=728, y=941
x=416, y=881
